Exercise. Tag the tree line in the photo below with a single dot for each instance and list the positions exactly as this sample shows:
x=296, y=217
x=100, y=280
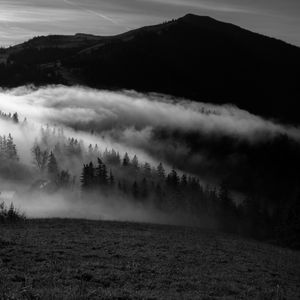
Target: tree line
x=67, y=163
x=12, y=117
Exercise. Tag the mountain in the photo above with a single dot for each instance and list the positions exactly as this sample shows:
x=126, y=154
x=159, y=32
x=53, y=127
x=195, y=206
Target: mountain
x=194, y=57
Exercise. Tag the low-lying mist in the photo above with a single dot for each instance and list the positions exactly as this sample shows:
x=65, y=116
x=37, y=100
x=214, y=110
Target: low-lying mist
x=214, y=143
x=133, y=113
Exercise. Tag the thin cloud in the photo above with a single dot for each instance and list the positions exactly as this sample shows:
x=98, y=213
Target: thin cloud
x=97, y=14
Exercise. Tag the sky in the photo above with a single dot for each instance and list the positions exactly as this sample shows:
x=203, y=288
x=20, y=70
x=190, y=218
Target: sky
x=23, y=19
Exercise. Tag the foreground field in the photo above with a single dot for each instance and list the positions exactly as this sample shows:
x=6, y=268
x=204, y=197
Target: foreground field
x=75, y=259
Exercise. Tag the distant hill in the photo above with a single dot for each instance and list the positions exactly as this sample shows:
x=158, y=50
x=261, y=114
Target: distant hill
x=194, y=57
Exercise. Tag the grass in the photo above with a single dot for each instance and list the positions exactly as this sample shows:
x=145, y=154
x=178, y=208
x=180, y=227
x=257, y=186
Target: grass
x=78, y=259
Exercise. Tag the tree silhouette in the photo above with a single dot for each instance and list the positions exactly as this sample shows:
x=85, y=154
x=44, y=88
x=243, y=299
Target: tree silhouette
x=40, y=158
x=84, y=179
x=135, y=190
x=111, y=178
x=52, y=166
x=101, y=173
x=11, y=150
x=15, y=118
x=126, y=160
x=161, y=173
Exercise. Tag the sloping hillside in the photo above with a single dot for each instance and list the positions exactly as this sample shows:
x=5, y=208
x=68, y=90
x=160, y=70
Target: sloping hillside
x=195, y=57
x=69, y=259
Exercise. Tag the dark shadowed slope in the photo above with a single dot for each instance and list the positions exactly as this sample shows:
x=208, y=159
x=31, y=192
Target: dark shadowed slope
x=65, y=259
x=195, y=57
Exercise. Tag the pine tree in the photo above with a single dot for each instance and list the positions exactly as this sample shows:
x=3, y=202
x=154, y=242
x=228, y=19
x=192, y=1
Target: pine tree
x=126, y=160
x=15, y=118
x=183, y=181
x=12, y=213
x=84, y=179
x=90, y=150
x=105, y=175
x=3, y=154
x=52, y=166
x=118, y=159
x=147, y=170
x=135, y=190
x=173, y=179
x=64, y=178
x=161, y=171
x=111, y=178
x=40, y=157
x=96, y=150
x=91, y=175
x=11, y=150
x=101, y=173
x=135, y=163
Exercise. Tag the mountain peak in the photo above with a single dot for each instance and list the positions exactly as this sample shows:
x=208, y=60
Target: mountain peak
x=196, y=18
x=204, y=22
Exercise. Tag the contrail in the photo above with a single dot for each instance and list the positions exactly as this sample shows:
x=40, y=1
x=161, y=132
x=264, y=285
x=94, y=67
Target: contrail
x=105, y=17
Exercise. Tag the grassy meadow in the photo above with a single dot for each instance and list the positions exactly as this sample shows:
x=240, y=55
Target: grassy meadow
x=79, y=259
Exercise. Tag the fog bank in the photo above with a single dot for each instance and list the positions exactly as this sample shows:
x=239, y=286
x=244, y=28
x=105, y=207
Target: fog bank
x=211, y=141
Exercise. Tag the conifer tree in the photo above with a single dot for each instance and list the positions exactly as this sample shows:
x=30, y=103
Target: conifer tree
x=111, y=178
x=64, y=178
x=84, y=179
x=40, y=158
x=183, y=181
x=52, y=166
x=90, y=150
x=161, y=171
x=135, y=190
x=3, y=154
x=173, y=179
x=126, y=160
x=101, y=173
x=15, y=118
x=147, y=170
x=135, y=163
x=91, y=175
x=11, y=149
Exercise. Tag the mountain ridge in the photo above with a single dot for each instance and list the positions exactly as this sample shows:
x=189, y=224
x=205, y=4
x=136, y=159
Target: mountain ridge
x=195, y=57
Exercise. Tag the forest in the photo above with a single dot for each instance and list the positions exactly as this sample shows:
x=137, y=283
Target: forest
x=61, y=163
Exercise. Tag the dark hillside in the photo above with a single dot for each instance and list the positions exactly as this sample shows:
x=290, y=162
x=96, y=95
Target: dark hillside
x=194, y=57
x=202, y=59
